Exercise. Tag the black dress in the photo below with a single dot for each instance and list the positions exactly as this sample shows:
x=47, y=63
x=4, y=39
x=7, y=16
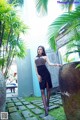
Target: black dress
x=43, y=72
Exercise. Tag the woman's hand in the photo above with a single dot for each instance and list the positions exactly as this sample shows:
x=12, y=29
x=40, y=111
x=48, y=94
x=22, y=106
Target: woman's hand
x=39, y=78
x=58, y=65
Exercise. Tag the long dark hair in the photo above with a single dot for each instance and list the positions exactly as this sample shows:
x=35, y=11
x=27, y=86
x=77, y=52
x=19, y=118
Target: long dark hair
x=43, y=53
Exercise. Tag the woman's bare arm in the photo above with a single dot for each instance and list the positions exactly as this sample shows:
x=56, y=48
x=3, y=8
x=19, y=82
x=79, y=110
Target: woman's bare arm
x=36, y=70
x=51, y=64
x=39, y=77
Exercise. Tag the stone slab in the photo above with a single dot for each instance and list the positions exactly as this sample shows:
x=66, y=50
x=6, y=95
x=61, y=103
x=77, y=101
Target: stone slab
x=32, y=118
x=37, y=101
x=49, y=117
x=15, y=100
x=53, y=100
x=27, y=114
x=10, y=105
x=42, y=115
x=57, y=96
x=57, y=99
x=18, y=104
x=8, y=100
x=58, y=102
x=12, y=109
x=38, y=104
x=30, y=106
x=54, y=107
x=50, y=104
x=15, y=116
x=41, y=106
x=22, y=100
x=37, y=111
x=26, y=103
x=22, y=108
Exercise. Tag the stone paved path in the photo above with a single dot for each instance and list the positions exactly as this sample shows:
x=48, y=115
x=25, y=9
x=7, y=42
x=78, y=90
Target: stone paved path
x=20, y=109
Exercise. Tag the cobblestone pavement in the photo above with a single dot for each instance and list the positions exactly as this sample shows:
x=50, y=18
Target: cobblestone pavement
x=20, y=109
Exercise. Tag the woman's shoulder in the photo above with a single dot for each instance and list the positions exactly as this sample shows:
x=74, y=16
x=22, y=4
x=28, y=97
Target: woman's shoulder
x=35, y=58
x=45, y=57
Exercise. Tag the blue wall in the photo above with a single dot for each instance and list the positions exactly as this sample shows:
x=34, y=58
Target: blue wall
x=25, y=81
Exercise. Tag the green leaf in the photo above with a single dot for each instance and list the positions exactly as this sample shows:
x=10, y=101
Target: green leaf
x=41, y=6
x=78, y=66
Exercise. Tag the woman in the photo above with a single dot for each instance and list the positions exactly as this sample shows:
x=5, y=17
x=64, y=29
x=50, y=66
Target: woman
x=44, y=75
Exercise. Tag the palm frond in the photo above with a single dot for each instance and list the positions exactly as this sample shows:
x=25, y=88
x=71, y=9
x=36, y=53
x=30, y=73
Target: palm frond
x=67, y=4
x=74, y=51
x=41, y=6
x=78, y=66
x=52, y=43
x=68, y=18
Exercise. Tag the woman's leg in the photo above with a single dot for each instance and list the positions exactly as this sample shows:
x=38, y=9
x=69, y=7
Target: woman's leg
x=48, y=95
x=44, y=102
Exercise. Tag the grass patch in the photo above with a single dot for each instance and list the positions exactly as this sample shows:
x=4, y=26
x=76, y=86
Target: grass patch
x=29, y=99
x=58, y=113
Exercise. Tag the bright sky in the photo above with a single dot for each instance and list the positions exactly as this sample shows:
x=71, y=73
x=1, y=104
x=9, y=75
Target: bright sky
x=37, y=34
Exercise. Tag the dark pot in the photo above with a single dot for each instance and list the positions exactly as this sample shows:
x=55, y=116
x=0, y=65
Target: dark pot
x=2, y=93
x=69, y=81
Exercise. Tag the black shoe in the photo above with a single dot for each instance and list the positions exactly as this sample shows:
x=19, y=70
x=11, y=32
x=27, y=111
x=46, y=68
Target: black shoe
x=46, y=114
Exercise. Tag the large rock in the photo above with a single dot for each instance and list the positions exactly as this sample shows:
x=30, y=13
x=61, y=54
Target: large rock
x=2, y=93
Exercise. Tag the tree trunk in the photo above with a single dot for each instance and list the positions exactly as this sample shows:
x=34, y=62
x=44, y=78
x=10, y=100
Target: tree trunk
x=2, y=93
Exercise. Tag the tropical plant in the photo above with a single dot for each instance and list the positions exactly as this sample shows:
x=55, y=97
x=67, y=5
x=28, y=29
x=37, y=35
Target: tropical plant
x=42, y=5
x=11, y=44
x=69, y=20
x=72, y=20
x=16, y=2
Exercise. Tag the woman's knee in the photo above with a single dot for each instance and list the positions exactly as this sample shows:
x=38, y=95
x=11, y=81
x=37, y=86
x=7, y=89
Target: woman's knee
x=42, y=92
x=48, y=90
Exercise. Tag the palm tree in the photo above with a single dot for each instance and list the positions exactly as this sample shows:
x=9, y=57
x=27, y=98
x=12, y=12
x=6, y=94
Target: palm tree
x=11, y=27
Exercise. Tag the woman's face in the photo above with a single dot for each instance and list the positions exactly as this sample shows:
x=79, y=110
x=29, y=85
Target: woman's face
x=40, y=50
